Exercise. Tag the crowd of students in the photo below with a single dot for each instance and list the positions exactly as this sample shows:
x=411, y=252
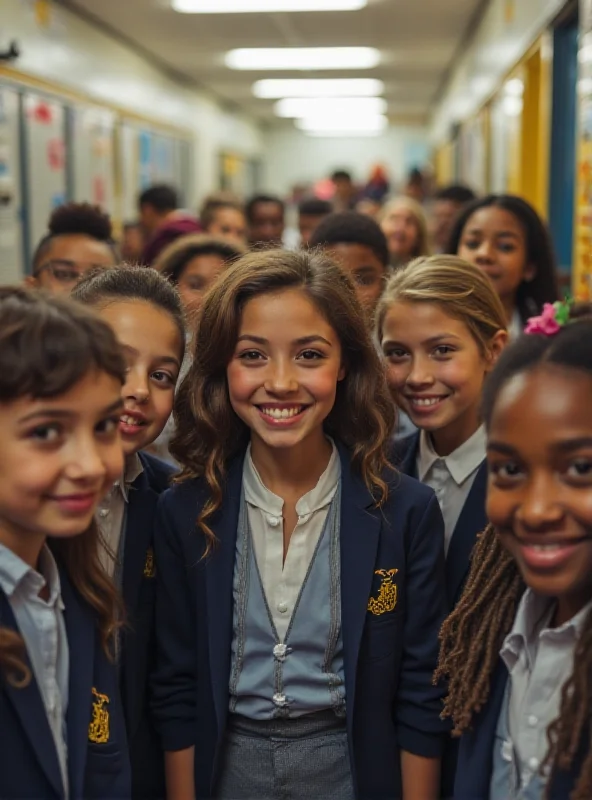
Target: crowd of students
x=363, y=568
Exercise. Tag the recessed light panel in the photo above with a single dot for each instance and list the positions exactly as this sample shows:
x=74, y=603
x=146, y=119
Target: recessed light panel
x=263, y=6
x=276, y=88
x=302, y=58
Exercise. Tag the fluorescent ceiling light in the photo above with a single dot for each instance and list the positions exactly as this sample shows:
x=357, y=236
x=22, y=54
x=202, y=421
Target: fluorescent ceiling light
x=275, y=88
x=341, y=134
x=303, y=58
x=346, y=123
x=252, y=6
x=294, y=107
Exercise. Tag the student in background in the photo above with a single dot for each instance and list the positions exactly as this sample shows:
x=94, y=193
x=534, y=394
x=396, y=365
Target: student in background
x=518, y=647
x=311, y=212
x=61, y=371
x=79, y=239
x=265, y=220
x=442, y=328
x=192, y=264
x=224, y=219
x=162, y=221
x=345, y=194
x=290, y=551
x=505, y=237
x=403, y=222
x=145, y=312
x=447, y=204
x=356, y=242
x=132, y=243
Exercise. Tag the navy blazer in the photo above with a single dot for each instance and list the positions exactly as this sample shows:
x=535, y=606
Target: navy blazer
x=475, y=755
x=138, y=651
x=389, y=659
x=98, y=764
x=471, y=522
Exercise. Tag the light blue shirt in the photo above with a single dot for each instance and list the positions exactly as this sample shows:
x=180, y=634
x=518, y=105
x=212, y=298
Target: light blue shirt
x=41, y=624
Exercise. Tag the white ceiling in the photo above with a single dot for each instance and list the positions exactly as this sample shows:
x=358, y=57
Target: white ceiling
x=418, y=41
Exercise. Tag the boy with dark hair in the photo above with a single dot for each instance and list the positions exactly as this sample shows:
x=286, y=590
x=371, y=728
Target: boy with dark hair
x=447, y=203
x=358, y=244
x=224, y=217
x=79, y=239
x=265, y=220
x=162, y=221
x=311, y=212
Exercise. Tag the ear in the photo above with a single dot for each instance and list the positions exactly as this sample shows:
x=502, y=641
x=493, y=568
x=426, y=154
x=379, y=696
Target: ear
x=342, y=373
x=529, y=273
x=497, y=344
x=31, y=282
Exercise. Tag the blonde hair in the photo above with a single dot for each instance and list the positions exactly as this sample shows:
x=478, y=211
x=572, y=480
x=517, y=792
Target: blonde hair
x=422, y=247
x=460, y=289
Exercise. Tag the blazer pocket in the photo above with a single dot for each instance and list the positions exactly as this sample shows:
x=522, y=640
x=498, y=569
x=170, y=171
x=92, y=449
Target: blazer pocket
x=381, y=635
x=104, y=757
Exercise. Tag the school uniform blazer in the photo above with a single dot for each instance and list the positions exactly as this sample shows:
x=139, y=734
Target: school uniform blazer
x=475, y=756
x=98, y=764
x=138, y=639
x=389, y=658
x=471, y=522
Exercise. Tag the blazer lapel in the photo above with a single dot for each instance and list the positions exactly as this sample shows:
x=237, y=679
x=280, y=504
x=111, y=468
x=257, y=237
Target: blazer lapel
x=80, y=627
x=472, y=521
x=219, y=571
x=29, y=706
x=407, y=461
x=359, y=535
x=141, y=509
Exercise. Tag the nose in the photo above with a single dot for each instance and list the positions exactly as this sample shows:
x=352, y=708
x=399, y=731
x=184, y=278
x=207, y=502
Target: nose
x=484, y=253
x=281, y=379
x=84, y=460
x=136, y=386
x=420, y=373
x=540, y=505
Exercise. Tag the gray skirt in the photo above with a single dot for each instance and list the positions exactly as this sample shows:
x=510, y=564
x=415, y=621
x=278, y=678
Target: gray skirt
x=306, y=758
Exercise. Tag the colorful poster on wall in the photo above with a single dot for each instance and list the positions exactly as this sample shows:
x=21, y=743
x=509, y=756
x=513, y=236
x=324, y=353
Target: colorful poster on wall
x=582, y=268
x=93, y=155
x=44, y=125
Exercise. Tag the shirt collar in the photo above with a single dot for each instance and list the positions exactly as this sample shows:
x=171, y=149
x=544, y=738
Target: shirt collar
x=258, y=495
x=532, y=621
x=516, y=326
x=14, y=571
x=461, y=463
x=133, y=468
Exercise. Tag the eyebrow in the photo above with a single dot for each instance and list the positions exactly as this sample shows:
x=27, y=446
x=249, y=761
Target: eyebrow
x=365, y=268
x=500, y=447
x=561, y=447
x=432, y=340
x=62, y=413
x=161, y=359
x=247, y=337
x=499, y=234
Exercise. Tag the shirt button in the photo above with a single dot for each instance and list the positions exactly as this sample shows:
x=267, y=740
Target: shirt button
x=533, y=721
x=273, y=521
x=279, y=699
x=533, y=763
x=282, y=607
x=103, y=512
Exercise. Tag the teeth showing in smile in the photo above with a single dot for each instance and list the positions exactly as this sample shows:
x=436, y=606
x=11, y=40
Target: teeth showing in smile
x=425, y=401
x=130, y=420
x=545, y=548
x=281, y=413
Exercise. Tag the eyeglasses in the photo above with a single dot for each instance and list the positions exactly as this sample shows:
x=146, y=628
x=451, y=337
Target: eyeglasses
x=67, y=271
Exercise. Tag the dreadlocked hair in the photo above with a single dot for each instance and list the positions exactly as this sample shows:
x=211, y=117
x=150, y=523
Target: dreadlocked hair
x=47, y=345
x=471, y=637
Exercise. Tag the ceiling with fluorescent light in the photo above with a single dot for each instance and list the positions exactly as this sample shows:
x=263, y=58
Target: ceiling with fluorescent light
x=417, y=39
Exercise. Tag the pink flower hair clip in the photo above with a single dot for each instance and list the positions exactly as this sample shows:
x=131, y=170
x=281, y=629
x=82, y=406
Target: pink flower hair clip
x=554, y=317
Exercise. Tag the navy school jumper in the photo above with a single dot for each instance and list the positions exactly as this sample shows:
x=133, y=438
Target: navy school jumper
x=98, y=764
x=475, y=755
x=138, y=639
x=389, y=658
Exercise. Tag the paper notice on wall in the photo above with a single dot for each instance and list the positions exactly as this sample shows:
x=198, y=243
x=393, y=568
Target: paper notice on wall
x=585, y=16
x=11, y=265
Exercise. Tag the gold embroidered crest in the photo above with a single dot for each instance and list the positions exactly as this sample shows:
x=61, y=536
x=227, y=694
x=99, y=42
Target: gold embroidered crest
x=387, y=593
x=150, y=566
x=98, y=730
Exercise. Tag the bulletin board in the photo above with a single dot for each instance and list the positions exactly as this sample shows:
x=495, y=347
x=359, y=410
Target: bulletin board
x=46, y=183
x=582, y=268
x=93, y=159
x=11, y=243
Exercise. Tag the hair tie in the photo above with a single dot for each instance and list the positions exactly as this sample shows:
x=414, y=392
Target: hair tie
x=554, y=317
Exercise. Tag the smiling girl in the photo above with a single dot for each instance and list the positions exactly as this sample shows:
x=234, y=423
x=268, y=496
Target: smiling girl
x=505, y=237
x=517, y=650
x=145, y=312
x=300, y=581
x=61, y=372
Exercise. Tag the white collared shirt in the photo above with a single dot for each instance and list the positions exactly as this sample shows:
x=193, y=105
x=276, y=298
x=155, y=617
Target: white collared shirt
x=452, y=476
x=516, y=326
x=539, y=660
x=282, y=580
x=111, y=514
x=41, y=624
